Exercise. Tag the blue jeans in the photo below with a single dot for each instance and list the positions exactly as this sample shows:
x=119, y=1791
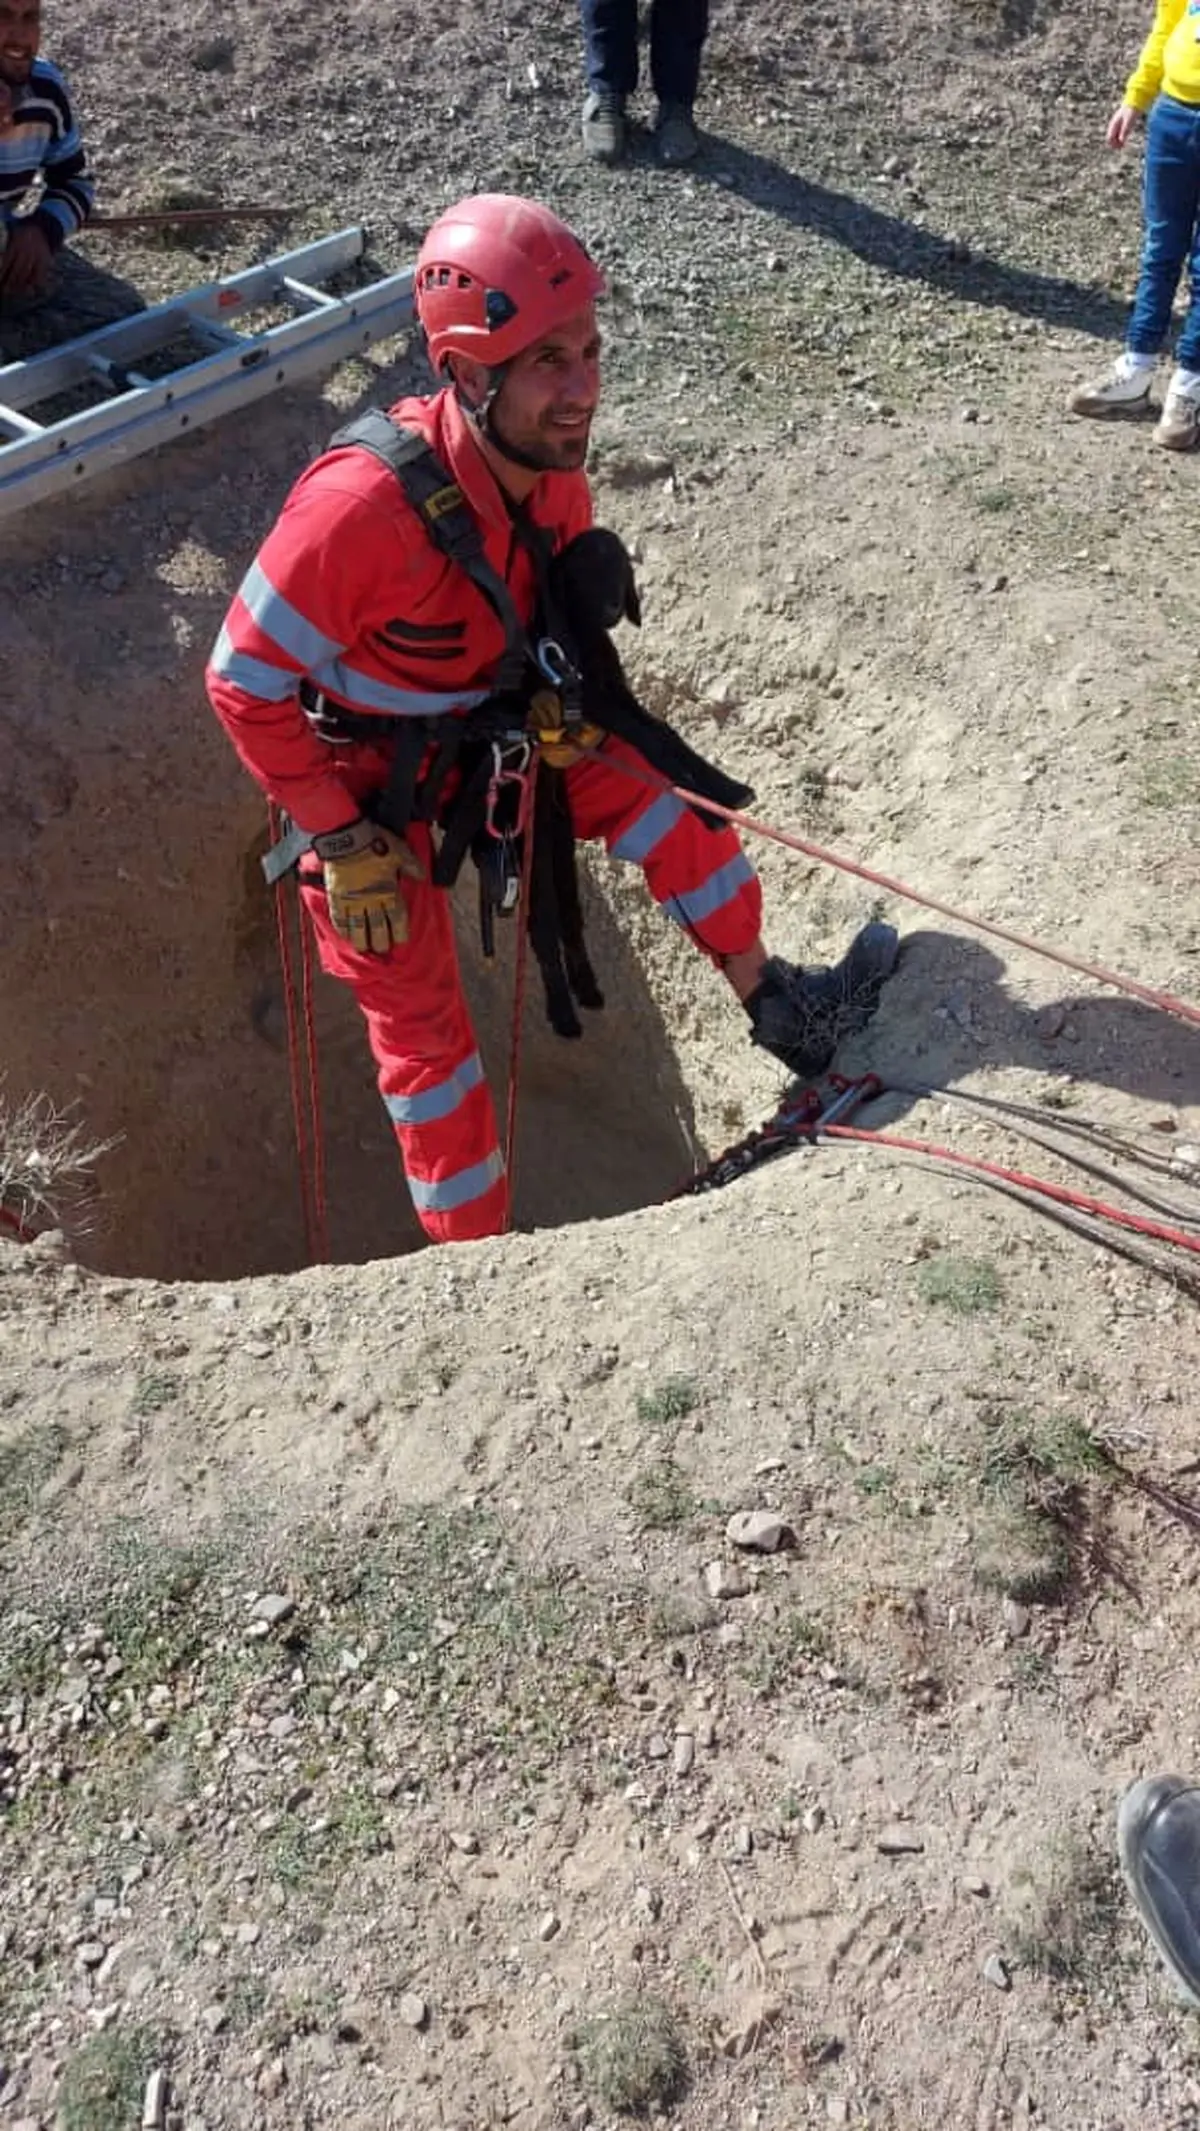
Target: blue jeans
x=677, y=32
x=1171, y=210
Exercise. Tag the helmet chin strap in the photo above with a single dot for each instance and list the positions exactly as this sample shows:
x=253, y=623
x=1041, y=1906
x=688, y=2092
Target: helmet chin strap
x=483, y=421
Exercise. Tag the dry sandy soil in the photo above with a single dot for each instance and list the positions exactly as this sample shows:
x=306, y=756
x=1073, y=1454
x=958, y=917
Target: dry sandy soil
x=390, y=1734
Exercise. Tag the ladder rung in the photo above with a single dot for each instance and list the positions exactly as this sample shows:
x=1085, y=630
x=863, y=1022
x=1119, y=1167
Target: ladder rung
x=304, y=294
x=116, y=376
x=20, y=424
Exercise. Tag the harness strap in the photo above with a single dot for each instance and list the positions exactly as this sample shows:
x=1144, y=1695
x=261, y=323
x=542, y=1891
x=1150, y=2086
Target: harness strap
x=447, y=519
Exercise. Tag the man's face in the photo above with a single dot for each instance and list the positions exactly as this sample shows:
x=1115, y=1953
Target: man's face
x=20, y=33
x=545, y=406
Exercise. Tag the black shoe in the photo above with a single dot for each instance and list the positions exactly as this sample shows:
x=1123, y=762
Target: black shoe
x=1158, y=1837
x=802, y=1015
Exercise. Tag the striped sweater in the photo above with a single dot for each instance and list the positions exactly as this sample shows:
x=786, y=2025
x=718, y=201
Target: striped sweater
x=42, y=141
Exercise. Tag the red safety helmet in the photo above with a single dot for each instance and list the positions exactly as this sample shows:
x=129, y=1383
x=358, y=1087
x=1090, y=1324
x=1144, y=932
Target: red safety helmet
x=495, y=274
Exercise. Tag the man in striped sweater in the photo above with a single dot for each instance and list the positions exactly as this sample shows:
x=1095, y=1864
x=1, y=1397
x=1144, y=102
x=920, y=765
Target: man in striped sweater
x=39, y=140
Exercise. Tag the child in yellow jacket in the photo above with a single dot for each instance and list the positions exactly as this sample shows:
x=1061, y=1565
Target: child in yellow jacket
x=1166, y=85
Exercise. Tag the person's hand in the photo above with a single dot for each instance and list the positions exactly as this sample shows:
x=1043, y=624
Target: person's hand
x=1121, y=125
x=363, y=864
x=26, y=260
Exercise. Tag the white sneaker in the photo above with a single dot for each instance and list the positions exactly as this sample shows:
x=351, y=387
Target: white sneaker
x=1126, y=389
x=1179, y=423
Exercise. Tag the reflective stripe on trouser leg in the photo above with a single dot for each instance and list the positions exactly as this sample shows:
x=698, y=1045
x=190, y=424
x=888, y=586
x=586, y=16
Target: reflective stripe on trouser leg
x=701, y=876
x=430, y=1074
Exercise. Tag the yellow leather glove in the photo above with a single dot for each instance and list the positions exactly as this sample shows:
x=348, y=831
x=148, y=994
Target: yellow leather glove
x=362, y=865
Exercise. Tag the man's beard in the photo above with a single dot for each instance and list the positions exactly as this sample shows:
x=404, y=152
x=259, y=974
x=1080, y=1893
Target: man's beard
x=563, y=454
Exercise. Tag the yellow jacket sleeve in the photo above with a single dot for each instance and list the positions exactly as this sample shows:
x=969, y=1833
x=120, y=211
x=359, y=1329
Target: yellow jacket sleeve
x=1146, y=79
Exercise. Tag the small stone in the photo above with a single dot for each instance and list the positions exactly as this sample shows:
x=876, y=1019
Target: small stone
x=775, y=262
x=466, y=1840
x=998, y=583
x=899, y=1841
x=154, y=2107
x=640, y=469
x=272, y=1608
x=550, y=1926
x=1016, y=1619
x=893, y=166
x=743, y=1841
x=215, y=56
x=994, y=1971
x=813, y=1819
x=656, y=1747
x=706, y=1732
x=685, y=1752
x=969, y=414
x=413, y=2010
x=726, y=1579
x=974, y=1883
x=249, y=1934
x=760, y=1531
x=647, y=1903
x=90, y=1954
x=837, y=2110
x=215, y=2019
x=272, y=2079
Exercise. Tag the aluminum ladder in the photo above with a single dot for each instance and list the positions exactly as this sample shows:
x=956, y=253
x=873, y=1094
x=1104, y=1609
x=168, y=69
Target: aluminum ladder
x=42, y=459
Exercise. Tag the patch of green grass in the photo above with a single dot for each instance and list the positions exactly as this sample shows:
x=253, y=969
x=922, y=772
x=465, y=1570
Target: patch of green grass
x=1171, y=781
x=244, y=2001
x=1030, y=1667
x=784, y=1648
x=672, y=1400
x=152, y=1392
x=26, y=1463
x=1065, y=1908
x=632, y=2060
x=1033, y=1501
x=875, y=1480
x=660, y=1497
x=965, y=1286
x=104, y=2082
x=995, y=501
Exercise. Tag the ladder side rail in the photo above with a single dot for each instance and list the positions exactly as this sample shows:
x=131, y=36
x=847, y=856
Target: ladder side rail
x=39, y=377
x=61, y=457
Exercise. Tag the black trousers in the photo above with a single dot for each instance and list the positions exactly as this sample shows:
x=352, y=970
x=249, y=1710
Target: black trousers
x=677, y=32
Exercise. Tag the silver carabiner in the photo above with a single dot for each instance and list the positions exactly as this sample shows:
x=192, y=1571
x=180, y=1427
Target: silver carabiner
x=552, y=662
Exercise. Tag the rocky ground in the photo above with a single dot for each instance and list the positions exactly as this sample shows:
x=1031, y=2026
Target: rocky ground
x=399, y=1722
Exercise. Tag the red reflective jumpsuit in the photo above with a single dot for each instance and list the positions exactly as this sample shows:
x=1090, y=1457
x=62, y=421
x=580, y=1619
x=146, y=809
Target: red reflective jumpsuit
x=348, y=590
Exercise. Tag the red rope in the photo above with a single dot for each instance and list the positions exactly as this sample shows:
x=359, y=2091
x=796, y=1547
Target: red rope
x=1082, y=1203
x=528, y=811
x=293, y=1044
x=320, y=1212
x=1167, y=1001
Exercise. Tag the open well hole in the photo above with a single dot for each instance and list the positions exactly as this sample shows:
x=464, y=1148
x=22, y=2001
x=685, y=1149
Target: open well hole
x=178, y=1045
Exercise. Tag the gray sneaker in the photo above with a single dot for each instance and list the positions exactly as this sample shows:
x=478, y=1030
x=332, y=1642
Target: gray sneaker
x=675, y=135
x=1158, y=1838
x=802, y=1015
x=604, y=126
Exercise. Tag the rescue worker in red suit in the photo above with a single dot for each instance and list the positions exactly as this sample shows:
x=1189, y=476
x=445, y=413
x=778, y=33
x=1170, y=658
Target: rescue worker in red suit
x=349, y=594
